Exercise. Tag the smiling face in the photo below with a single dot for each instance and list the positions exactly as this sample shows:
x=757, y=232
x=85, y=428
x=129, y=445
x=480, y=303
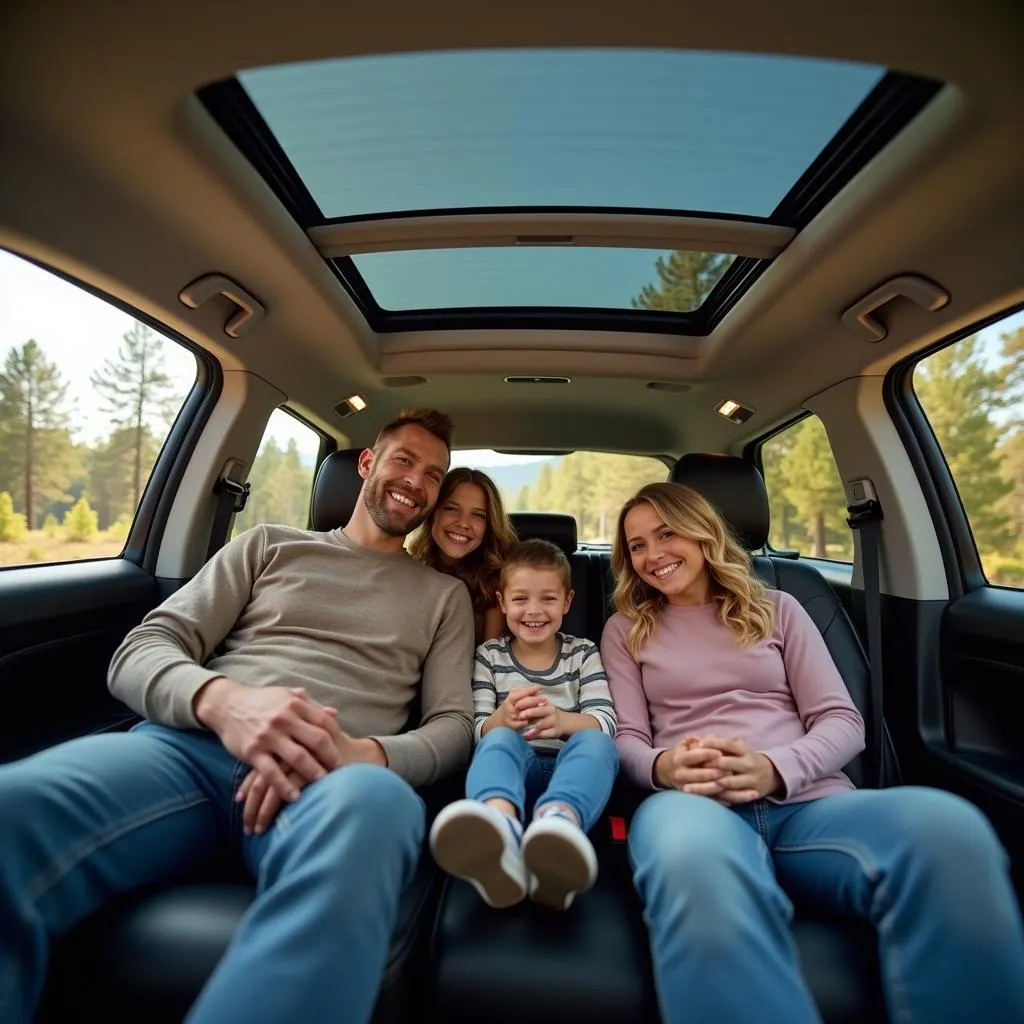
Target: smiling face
x=534, y=602
x=664, y=560
x=403, y=479
x=460, y=522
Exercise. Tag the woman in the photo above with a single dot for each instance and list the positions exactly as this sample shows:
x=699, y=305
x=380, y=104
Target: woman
x=731, y=707
x=468, y=535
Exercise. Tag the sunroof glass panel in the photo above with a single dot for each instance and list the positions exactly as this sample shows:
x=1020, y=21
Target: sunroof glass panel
x=596, y=278
x=668, y=130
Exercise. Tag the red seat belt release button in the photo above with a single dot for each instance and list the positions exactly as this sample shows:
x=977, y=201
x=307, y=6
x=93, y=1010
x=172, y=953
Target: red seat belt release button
x=618, y=829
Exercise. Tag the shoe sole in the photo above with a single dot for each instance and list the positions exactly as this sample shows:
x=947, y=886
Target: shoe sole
x=559, y=869
x=471, y=849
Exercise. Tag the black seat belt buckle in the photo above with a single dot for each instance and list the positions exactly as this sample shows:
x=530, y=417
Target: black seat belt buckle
x=240, y=491
x=867, y=511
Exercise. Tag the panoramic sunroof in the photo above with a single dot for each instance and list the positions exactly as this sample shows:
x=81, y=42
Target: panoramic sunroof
x=596, y=278
x=669, y=130
x=413, y=172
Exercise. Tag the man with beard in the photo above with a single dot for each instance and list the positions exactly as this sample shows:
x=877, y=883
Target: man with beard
x=275, y=687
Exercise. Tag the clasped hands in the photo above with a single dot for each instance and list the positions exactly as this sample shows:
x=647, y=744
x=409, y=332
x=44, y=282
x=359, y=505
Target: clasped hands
x=289, y=739
x=727, y=770
x=525, y=710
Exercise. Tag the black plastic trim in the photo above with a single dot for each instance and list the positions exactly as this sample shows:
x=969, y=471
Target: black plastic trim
x=233, y=109
x=964, y=572
x=893, y=103
x=485, y=211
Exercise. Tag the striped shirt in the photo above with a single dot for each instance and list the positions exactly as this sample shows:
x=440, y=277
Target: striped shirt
x=575, y=682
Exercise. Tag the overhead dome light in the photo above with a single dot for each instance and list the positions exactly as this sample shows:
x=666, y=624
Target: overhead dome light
x=352, y=404
x=734, y=411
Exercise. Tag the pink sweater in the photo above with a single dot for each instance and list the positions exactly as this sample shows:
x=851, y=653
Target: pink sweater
x=784, y=696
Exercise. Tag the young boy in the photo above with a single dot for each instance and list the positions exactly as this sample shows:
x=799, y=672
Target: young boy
x=544, y=729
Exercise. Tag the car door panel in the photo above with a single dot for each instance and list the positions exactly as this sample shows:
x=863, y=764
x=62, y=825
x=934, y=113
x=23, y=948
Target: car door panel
x=59, y=626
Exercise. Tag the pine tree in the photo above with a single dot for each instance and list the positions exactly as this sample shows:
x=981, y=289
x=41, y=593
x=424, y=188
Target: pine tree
x=34, y=441
x=80, y=524
x=811, y=484
x=12, y=524
x=958, y=395
x=136, y=390
x=685, y=280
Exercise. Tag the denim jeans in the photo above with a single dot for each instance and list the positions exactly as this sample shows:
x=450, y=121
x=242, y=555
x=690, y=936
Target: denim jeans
x=101, y=815
x=581, y=775
x=923, y=866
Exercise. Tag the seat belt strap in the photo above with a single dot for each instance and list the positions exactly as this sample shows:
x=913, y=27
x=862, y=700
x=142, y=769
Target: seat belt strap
x=865, y=516
x=231, y=498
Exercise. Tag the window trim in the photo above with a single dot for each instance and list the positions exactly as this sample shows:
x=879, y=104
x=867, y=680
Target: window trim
x=149, y=518
x=961, y=558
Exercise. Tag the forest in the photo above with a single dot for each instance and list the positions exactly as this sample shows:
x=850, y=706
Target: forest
x=62, y=498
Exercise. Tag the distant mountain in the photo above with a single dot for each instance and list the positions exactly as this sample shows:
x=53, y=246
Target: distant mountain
x=511, y=478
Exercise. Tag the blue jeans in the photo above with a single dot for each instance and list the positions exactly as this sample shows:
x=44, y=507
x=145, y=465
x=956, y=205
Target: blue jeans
x=923, y=866
x=101, y=815
x=580, y=776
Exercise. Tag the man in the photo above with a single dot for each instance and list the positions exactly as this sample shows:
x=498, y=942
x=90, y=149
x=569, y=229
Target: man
x=275, y=687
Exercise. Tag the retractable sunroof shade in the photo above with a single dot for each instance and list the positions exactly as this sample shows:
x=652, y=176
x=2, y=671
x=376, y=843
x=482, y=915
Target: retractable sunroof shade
x=634, y=189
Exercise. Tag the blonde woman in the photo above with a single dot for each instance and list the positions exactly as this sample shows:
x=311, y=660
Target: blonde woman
x=730, y=706
x=468, y=536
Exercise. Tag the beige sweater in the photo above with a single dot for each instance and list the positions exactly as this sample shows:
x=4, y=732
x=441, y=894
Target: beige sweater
x=362, y=631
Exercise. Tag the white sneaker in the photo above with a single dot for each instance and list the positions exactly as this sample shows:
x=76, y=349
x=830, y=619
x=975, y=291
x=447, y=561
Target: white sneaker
x=560, y=859
x=473, y=841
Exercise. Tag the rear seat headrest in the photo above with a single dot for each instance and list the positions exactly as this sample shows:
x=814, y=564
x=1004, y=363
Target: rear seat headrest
x=556, y=527
x=736, y=489
x=336, y=489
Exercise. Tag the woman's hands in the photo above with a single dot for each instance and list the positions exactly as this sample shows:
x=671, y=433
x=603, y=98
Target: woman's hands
x=728, y=770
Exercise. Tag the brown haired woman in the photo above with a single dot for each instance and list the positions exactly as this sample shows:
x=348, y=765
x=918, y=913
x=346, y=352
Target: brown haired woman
x=468, y=535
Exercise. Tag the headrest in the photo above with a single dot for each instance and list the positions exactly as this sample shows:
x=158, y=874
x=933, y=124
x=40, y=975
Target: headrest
x=736, y=489
x=336, y=489
x=556, y=527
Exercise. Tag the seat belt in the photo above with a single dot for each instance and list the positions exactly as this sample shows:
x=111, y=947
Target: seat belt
x=864, y=515
x=231, y=498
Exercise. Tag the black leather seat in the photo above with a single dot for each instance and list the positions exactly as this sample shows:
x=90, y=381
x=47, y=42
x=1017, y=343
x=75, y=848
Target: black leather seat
x=592, y=963
x=146, y=957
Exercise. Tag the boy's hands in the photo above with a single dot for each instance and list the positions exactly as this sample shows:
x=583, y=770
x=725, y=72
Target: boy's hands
x=541, y=720
x=526, y=711
x=508, y=713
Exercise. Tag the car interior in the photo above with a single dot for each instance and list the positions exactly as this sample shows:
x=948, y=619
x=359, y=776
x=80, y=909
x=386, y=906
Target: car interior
x=335, y=212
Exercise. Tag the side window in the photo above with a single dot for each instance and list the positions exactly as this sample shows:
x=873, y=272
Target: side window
x=87, y=398
x=805, y=493
x=590, y=486
x=972, y=393
x=282, y=474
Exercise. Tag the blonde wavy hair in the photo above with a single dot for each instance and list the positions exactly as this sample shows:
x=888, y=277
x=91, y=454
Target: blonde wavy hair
x=480, y=569
x=742, y=599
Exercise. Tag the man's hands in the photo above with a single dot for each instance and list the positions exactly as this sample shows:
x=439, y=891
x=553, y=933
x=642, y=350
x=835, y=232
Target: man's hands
x=262, y=801
x=289, y=739
x=728, y=770
x=273, y=728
